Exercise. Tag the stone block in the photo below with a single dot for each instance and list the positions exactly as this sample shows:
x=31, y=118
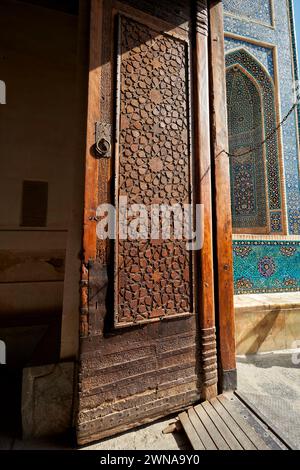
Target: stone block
x=47, y=399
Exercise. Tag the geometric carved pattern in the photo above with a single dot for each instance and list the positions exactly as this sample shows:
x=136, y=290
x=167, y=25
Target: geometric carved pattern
x=264, y=83
x=209, y=356
x=154, y=277
x=201, y=17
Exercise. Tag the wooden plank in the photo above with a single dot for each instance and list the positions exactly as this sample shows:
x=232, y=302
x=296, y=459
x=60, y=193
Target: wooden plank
x=233, y=426
x=248, y=430
x=91, y=170
x=211, y=428
x=91, y=164
x=203, y=184
x=125, y=420
x=222, y=200
x=222, y=427
x=191, y=432
x=201, y=431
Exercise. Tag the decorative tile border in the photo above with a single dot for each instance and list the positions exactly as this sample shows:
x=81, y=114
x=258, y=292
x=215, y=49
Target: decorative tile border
x=280, y=238
x=266, y=266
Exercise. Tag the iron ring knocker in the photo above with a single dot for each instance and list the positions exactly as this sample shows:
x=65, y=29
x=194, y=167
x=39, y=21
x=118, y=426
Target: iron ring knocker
x=103, y=147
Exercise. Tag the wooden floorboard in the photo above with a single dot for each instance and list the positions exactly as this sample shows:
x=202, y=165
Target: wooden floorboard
x=232, y=425
x=191, y=432
x=205, y=437
x=211, y=428
x=222, y=427
x=219, y=425
x=248, y=430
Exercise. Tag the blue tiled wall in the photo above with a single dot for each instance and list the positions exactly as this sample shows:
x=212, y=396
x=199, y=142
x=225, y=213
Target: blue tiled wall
x=278, y=35
x=261, y=265
x=258, y=10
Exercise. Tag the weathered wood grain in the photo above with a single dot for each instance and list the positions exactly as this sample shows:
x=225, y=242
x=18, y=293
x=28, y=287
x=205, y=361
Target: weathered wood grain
x=191, y=432
x=203, y=181
x=222, y=202
x=232, y=425
x=136, y=374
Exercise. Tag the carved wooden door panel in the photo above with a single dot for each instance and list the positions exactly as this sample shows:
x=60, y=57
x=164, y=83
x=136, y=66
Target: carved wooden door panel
x=140, y=355
x=154, y=277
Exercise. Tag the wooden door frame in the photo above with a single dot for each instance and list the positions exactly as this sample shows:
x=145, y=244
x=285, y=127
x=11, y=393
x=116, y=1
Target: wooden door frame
x=201, y=110
x=223, y=259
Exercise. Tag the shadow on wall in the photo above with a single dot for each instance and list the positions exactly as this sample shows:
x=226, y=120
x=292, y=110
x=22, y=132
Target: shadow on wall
x=259, y=332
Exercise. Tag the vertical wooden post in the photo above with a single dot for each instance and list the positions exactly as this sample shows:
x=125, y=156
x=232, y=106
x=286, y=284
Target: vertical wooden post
x=91, y=166
x=222, y=204
x=203, y=171
x=70, y=319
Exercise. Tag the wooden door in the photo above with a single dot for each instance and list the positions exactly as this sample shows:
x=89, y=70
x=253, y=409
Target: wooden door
x=143, y=326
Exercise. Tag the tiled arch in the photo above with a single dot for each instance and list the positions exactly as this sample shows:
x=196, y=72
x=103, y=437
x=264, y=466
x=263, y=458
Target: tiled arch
x=256, y=71
x=247, y=172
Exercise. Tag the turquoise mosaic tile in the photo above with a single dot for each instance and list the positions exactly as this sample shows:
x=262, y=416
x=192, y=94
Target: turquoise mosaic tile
x=266, y=266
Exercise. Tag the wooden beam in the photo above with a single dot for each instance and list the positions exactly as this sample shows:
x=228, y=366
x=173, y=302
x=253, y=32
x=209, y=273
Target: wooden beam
x=203, y=174
x=91, y=165
x=70, y=318
x=222, y=203
x=91, y=170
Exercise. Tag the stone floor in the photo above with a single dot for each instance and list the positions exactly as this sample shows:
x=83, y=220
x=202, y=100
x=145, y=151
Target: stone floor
x=149, y=437
x=10, y=442
x=271, y=381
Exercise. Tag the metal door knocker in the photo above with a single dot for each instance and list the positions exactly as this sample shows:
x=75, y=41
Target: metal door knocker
x=103, y=136
x=103, y=148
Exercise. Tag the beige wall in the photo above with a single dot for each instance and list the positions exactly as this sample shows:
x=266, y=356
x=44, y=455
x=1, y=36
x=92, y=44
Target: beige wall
x=39, y=141
x=267, y=322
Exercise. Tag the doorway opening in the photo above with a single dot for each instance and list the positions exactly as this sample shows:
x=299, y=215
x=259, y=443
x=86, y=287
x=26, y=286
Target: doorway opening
x=39, y=161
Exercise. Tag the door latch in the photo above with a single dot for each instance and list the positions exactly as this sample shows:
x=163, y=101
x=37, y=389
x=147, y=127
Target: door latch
x=103, y=140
